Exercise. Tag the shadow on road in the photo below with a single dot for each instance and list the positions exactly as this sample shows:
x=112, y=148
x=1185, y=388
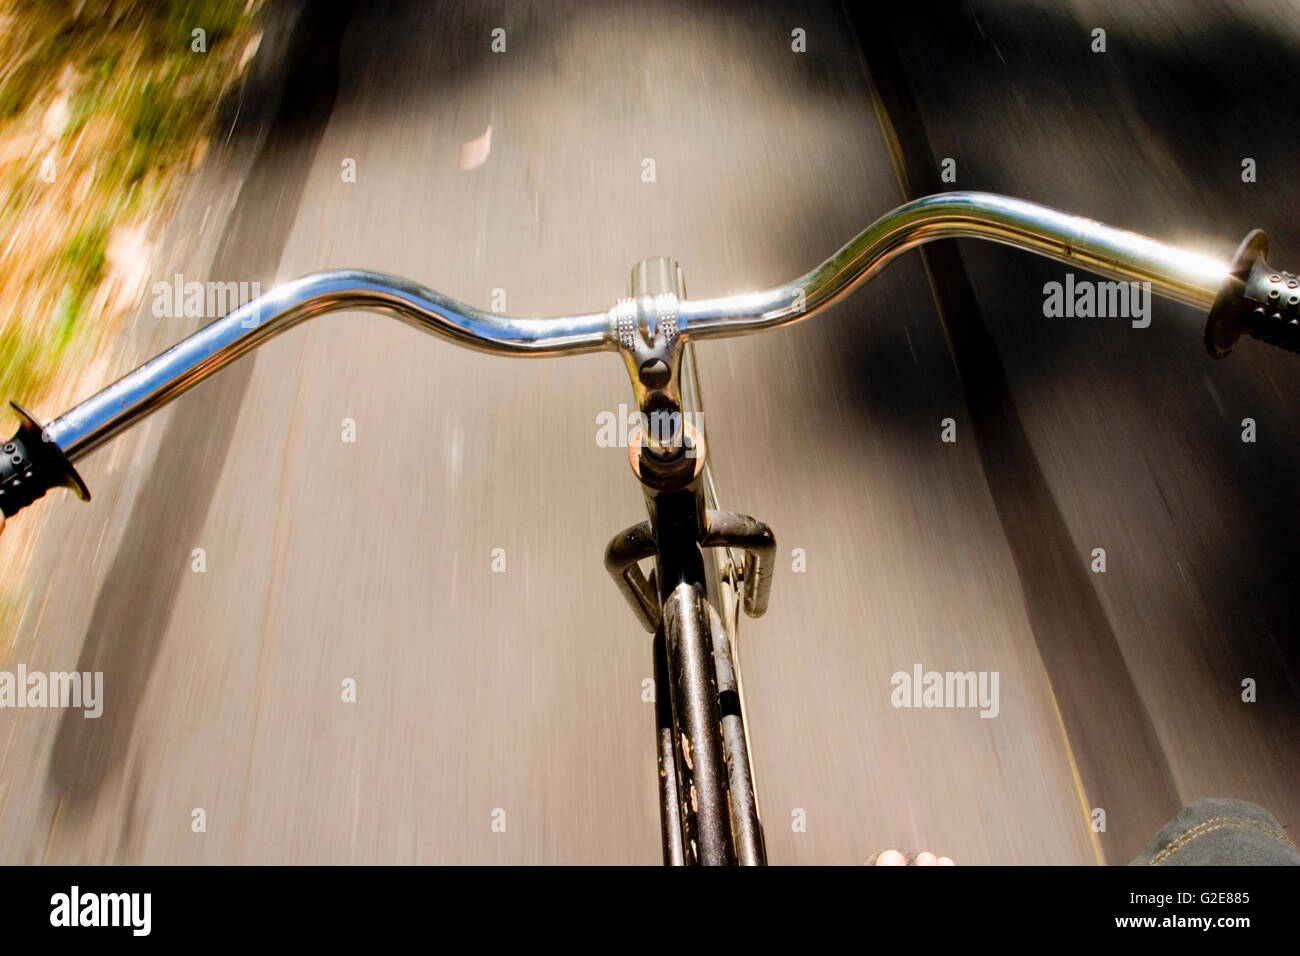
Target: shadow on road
x=139, y=590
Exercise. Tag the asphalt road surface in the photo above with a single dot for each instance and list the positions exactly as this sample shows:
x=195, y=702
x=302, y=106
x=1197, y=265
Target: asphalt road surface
x=328, y=514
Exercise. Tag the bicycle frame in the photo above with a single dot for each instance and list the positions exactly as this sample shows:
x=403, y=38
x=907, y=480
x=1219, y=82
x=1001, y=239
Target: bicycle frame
x=709, y=811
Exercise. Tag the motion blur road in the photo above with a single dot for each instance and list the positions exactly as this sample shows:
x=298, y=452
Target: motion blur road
x=516, y=696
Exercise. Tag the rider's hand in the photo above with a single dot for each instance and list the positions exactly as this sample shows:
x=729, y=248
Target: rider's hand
x=894, y=858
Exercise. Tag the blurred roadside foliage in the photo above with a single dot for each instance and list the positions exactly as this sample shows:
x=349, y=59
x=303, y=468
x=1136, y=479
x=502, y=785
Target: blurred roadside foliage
x=104, y=107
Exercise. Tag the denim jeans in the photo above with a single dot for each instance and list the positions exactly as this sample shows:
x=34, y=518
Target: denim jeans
x=1217, y=832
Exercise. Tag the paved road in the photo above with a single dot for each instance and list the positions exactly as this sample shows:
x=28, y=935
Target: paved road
x=516, y=696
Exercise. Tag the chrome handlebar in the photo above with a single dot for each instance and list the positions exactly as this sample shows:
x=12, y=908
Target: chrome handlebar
x=1184, y=276
x=155, y=383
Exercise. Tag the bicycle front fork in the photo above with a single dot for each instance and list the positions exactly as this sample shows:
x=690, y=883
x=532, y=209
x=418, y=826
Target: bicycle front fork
x=708, y=808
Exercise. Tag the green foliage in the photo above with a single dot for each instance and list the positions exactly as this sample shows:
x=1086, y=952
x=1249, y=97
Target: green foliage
x=151, y=98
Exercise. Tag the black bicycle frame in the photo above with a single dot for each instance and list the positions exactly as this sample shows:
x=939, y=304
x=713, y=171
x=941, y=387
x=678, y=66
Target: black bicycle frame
x=708, y=810
x=690, y=683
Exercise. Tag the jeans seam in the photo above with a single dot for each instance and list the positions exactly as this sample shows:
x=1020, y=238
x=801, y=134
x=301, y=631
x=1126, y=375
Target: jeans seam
x=1221, y=823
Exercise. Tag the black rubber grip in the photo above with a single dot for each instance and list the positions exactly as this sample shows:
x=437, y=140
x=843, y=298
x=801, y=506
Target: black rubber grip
x=1256, y=300
x=31, y=465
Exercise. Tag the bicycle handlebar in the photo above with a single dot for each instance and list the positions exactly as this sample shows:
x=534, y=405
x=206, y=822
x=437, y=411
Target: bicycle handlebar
x=40, y=459
x=1256, y=299
x=159, y=380
x=1186, y=277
